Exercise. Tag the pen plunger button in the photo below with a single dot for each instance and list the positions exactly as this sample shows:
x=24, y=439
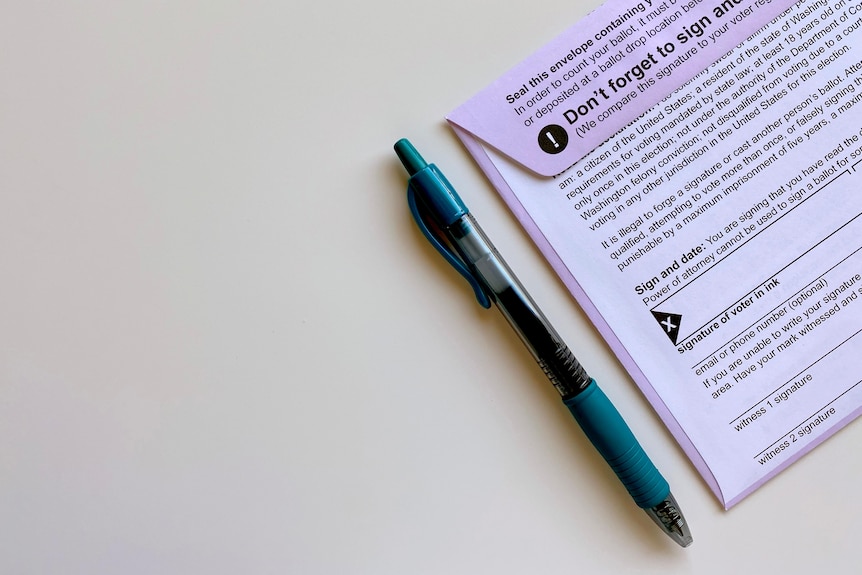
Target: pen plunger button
x=408, y=155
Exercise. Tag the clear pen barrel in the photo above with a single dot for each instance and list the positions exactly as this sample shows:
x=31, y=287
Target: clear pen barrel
x=555, y=359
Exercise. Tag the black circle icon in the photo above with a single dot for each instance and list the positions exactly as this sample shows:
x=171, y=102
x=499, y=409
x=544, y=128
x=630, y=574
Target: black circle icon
x=553, y=139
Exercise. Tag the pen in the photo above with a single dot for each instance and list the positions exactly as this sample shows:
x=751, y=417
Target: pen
x=447, y=223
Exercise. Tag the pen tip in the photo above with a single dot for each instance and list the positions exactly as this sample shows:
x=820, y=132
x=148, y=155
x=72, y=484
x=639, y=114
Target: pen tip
x=669, y=517
x=408, y=155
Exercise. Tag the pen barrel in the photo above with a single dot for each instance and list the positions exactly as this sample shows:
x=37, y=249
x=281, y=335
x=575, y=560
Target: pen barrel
x=613, y=439
x=563, y=369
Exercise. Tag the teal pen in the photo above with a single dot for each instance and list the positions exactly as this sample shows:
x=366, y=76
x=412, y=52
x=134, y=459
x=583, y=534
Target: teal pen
x=446, y=223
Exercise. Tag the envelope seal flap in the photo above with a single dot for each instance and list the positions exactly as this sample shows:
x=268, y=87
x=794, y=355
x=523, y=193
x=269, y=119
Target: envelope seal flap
x=610, y=68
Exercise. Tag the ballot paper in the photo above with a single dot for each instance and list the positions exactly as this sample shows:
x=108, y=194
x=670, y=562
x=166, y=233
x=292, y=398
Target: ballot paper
x=691, y=170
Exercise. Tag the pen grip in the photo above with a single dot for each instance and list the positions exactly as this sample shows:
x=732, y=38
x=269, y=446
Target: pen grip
x=610, y=435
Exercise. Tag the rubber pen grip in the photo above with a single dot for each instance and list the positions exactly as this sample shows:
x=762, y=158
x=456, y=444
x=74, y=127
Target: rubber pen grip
x=609, y=433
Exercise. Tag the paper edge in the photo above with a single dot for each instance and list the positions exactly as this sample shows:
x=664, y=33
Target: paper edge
x=477, y=152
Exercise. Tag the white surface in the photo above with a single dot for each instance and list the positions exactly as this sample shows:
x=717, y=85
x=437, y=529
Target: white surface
x=225, y=348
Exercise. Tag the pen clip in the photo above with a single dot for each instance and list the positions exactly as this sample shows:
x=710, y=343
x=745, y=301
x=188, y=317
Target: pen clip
x=441, y=247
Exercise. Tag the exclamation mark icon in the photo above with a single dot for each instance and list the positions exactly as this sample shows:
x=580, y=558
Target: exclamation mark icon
x=553, y=139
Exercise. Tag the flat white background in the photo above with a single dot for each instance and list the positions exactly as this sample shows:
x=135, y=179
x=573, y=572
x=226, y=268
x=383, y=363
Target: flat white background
x=225, y=347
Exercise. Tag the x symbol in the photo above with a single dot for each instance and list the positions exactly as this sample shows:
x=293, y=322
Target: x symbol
x=670, y=322
x=669, y=326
